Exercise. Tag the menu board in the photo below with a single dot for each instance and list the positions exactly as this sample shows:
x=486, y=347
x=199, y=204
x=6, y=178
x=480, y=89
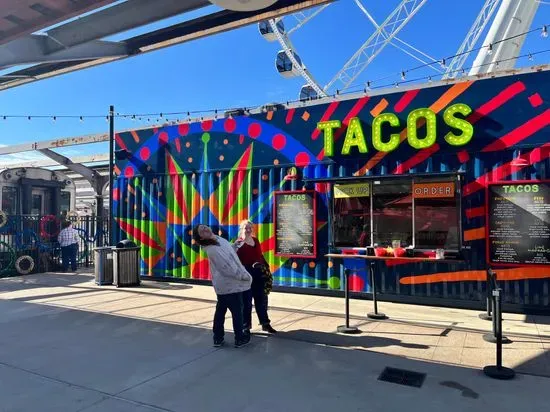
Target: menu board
x=295, y=231
x=519, y=223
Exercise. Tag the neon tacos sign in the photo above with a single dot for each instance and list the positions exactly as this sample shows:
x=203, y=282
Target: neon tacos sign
x=460, y=134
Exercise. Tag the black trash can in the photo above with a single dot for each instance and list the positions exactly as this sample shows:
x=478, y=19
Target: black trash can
x=126, y=264
x=103, y=265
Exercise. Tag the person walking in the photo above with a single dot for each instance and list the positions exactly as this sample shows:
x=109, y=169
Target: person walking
x=250, y=254
x=230, y=279
x=68, y=240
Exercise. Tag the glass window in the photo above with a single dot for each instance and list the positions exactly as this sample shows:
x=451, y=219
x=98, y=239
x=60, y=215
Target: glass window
x=392, y=213
x=352, y=222
x=436, y=214
x=423, y=213
x=65, y=205
x=9, y=200
x=36, y=206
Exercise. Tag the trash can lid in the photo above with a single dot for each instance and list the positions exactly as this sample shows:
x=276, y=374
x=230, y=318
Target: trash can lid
x=126, y=243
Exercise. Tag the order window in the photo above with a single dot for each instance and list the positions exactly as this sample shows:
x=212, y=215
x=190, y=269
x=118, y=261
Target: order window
x=392, y=213
x=423, y=213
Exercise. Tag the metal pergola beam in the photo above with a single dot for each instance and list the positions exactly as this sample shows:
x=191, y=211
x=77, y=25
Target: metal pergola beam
x=180, y=33
x=117, y=19
x=31, y=50
x=55, y=143
x=96, y=180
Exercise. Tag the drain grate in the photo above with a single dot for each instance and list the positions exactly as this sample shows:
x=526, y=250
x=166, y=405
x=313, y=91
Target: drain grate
x=402, y=377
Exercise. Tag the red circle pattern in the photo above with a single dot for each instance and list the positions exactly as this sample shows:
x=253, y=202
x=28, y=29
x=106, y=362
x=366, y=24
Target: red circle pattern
x=278, y=142
x=129, y=171
x=302, y=159
x=183, y=129
x=207, y=125
x=356, y=283
x=144, y=153
x=254, y=130
x=230, y=125
x=163, y=138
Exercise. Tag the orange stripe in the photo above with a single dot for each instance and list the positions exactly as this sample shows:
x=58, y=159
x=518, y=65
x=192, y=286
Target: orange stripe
x=521, y=273
x=379, y=108
x=131, y=190
x=474, y=234
x=269, y=115
x=447, y=97
x=135, y=136
x=116, y=170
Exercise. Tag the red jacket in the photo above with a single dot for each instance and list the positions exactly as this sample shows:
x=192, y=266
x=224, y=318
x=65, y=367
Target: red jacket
x=251, y=254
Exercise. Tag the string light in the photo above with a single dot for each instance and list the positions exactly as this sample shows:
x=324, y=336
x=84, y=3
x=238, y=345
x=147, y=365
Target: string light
x=443, y=62
x=369, y=86
x=490, y=49
x=544, y=31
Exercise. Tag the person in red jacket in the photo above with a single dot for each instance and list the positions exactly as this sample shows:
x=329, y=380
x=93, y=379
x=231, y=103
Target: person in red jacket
x=250, y=253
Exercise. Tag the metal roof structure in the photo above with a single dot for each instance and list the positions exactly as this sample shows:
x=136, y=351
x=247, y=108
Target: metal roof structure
x=80, y=43
x=20, y=17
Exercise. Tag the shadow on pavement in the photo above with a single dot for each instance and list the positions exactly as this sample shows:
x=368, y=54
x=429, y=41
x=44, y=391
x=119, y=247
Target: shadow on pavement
x=337, y=340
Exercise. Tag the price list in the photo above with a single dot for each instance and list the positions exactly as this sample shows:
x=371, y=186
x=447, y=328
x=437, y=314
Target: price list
x=295, y=232
x=519, y=223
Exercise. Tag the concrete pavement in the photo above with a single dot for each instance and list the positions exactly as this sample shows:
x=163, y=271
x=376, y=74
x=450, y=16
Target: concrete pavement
x=67, y=345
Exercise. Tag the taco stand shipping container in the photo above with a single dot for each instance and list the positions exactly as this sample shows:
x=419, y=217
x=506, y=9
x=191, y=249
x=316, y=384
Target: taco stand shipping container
x=461, y=167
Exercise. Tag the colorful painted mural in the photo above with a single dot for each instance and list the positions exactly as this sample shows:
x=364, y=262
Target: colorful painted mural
x=221, y=171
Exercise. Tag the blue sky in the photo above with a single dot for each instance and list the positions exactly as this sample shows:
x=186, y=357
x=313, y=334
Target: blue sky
x=234, y=69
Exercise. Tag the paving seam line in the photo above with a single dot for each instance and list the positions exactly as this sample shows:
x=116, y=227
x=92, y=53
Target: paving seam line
x=75, y=385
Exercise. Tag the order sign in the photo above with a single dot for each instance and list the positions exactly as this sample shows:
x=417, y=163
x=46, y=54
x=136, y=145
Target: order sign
x=433, y=190
x=518, y=216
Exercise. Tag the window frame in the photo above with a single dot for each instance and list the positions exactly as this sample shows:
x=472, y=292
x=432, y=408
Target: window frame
x=17, y=192
x=457, y=178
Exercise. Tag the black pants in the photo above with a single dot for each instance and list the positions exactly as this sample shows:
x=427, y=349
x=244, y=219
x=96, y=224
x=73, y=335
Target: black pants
x=68, y=256
x=233, y=302
x=257, y=293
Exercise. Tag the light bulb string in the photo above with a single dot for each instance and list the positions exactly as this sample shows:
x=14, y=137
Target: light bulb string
x=190, y=115
x=444, y=60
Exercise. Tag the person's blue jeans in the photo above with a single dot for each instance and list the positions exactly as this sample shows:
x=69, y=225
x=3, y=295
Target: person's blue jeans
x=233, y=302
x=68, y=256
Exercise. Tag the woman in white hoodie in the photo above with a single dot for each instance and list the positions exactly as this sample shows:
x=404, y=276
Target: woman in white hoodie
x=230, y=279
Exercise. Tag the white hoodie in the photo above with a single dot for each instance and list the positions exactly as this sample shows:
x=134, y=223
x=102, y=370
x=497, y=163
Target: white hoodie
x=228, y=273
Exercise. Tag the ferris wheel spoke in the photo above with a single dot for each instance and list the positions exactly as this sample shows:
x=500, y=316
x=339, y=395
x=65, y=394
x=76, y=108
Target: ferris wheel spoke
x=471, y=38
x=304, y=16
x=409, y=49
x=382, y=36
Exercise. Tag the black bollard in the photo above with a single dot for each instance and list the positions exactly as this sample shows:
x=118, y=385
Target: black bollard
x=347, y=328
x=487, y=314
x=498, y=371
x=374, y=315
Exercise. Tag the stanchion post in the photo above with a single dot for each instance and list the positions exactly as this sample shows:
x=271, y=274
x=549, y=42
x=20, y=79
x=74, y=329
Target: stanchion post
x=498, y=371
x=492, y=337
x=488, y=287
x=374, y=315
x=347, y=328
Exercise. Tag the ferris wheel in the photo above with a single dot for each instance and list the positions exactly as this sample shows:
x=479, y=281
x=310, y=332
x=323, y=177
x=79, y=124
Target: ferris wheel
x=512, y=18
